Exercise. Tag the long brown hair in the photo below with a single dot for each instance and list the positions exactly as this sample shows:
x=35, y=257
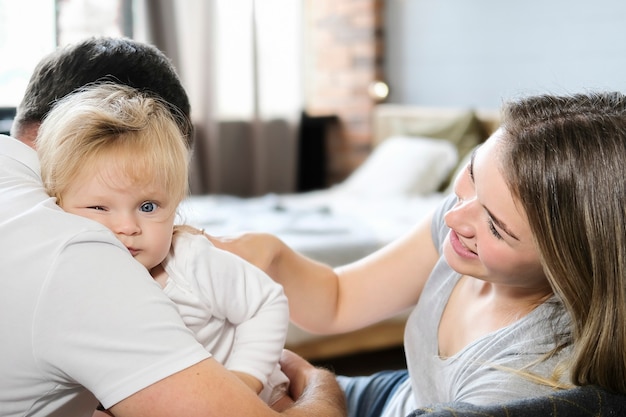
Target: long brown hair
x=565, y=160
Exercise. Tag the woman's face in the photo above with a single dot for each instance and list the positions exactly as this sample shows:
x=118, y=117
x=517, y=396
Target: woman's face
x=490, y=238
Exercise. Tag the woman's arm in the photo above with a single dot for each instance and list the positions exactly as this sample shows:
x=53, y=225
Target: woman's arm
x=326, y=300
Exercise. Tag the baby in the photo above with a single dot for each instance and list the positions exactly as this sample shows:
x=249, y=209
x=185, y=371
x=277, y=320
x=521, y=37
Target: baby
x=115, y=155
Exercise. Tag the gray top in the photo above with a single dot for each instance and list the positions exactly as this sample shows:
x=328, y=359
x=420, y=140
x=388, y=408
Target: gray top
x=469, y=375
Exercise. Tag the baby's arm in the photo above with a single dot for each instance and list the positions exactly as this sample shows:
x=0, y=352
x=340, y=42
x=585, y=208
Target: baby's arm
x=254, y=304
x=278, y=399
x=250, y=381
x=99, y=413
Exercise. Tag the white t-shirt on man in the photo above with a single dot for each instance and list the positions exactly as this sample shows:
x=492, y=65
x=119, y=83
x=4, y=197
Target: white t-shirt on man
x=82, y=321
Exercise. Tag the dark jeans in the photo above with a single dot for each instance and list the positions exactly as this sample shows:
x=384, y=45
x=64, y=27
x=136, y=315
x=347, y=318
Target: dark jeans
x=366, y=396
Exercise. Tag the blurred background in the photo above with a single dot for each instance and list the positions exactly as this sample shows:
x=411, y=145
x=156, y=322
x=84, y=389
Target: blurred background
x=285, y=96
x=282, y=91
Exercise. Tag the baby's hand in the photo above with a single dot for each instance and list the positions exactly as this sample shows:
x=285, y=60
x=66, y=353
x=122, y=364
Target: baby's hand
x=99, y=413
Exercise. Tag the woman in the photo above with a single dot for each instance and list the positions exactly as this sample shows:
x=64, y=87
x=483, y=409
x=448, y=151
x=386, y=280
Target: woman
x=517, y=280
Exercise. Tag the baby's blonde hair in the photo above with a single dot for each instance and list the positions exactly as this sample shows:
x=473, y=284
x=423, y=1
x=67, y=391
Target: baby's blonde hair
x=135, y=130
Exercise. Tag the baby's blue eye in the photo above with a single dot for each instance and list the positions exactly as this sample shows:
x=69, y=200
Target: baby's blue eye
x=148, y=207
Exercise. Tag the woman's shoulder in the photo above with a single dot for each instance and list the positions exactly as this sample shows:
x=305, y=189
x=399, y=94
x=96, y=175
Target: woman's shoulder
x=439, y=229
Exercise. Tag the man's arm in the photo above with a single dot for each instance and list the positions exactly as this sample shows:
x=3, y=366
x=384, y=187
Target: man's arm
x=207, y=389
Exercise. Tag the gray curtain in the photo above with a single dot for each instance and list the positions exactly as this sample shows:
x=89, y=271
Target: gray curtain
x=162, y=31
x=243, y=156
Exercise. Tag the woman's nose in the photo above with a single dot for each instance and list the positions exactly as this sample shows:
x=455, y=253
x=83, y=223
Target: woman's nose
x=461, y=218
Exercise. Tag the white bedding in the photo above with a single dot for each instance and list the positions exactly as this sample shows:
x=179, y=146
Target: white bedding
x=325, y=225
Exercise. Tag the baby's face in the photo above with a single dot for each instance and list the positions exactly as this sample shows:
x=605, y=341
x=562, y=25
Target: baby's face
x=141, y=215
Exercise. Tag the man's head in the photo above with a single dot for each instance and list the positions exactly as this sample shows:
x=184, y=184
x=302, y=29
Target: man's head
x=118, y=60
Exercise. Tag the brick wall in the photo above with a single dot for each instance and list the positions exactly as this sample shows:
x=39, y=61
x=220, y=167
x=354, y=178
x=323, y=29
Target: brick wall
x=343, y=56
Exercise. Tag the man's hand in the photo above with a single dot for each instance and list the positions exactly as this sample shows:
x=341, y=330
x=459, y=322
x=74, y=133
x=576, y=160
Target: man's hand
x=311, y=385
x=296, y=369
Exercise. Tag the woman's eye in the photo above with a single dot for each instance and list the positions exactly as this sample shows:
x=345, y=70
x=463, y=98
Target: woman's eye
x=148, y=207
x=493, y=230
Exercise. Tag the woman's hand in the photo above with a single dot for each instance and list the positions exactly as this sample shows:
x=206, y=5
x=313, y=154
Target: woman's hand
x=328, y=300
x=260, y=249
x=310, y=286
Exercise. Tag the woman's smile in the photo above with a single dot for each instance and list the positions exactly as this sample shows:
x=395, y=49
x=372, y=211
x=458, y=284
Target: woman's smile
x=460, y=248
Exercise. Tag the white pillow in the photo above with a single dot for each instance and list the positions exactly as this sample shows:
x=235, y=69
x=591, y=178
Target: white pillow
x=401, y=166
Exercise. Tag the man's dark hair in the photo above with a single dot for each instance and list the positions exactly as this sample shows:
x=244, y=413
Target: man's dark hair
x=119, y=60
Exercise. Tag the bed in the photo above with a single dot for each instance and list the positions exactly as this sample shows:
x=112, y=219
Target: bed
x=416, y=153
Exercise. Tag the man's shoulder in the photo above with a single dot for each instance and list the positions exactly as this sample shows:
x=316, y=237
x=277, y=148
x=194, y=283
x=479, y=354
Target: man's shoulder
x=73, y=229
x=52, y=230
x=18, y=156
